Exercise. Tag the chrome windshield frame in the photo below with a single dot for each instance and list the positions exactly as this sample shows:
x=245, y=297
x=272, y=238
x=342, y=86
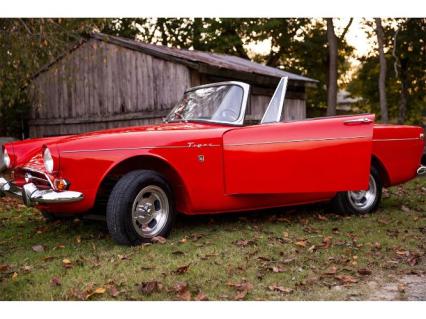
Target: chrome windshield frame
x=246, y=94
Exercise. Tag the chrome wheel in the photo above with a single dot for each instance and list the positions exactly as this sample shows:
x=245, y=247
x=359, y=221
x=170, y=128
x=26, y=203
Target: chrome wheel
x=363, y=200
x=150, y=211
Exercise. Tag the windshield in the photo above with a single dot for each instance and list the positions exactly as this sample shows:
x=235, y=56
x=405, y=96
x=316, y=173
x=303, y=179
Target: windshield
x=218, y=103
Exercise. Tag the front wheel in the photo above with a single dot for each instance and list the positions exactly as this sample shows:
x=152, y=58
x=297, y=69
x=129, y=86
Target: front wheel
x=361, y=202
x=139, y=208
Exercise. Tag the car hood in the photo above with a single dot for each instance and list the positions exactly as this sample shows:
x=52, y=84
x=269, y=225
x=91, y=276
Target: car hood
x=164, y=134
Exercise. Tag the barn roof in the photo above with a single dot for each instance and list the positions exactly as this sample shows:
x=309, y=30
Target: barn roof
x=216, y=60
x=192, y=58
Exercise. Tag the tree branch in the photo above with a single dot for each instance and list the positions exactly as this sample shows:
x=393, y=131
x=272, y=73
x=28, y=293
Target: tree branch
x=25, y=26
x=345, y=30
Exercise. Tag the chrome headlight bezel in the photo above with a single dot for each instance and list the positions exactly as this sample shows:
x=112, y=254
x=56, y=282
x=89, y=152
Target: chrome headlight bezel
x=49, y=163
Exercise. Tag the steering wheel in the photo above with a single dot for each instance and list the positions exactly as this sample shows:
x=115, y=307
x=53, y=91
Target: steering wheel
x=229, y=115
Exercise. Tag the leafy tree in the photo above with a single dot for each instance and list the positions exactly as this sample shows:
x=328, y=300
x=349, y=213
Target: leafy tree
x=25, y=46
x=405, y=50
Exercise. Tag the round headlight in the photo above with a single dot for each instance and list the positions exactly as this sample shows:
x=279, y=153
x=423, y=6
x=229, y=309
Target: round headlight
x=48, y=160
x=6, y=159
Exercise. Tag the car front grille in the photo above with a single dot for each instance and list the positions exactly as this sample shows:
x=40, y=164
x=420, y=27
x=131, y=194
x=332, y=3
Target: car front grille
x=40, y=179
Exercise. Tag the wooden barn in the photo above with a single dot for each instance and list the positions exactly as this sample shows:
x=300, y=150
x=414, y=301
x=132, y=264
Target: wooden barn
x=106, y=81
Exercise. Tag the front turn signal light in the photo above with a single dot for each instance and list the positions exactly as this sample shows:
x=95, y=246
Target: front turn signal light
x=61, y=184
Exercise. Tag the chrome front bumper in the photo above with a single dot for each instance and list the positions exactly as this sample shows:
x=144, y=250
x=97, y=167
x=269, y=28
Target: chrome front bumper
x=31, y=195
x=421, y=170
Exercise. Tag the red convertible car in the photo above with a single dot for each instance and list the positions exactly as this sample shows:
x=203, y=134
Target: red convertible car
x=204, y=159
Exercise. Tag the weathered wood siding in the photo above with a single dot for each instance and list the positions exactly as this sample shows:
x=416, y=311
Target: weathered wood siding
x=100, y=85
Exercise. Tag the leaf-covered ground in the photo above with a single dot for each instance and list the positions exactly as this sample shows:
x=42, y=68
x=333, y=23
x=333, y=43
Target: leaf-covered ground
x=307, y=253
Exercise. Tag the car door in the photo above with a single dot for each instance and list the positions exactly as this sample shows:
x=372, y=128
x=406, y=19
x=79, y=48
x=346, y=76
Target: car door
x=320, y=155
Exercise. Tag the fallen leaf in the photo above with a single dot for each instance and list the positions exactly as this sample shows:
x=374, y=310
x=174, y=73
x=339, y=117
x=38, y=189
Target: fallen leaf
x=402, y=252
x=149, y=287
x=4, y=267
x=78, y=239
x=331, y=271
x=159, y=240
x=182, y=269
x=301, y=243
x=67, y=263
x=401, y=288
x=413, y=260
x=100, y=290
x=346, y=279
x=26, y=268
x=97, y=291
x=321, y=217
x=277, y=269
x=14, y=276
x=326, y=242
x=364, y=271
x=312, y=248
x=48, y=258
x=281, y=289
x=38, y=248
x=113, y=291
x=60, y=246
x=241, y=295
x=242, y=289
x=55, y=281
x=123, y=257
x=201, y=297
x=182, y=291
x=244, y=242
x=405, y=209
x=178, y=252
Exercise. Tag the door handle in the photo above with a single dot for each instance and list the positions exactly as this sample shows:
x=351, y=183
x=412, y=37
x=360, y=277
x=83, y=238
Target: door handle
x=364, y=120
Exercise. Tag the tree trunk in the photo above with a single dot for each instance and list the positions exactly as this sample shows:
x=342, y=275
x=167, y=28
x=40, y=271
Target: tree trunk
x=382, y=76
x=403, y=97
x=332, y=69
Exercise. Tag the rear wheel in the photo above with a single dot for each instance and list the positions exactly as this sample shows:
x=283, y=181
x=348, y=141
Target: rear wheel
x=139, y=208
x=361, y=202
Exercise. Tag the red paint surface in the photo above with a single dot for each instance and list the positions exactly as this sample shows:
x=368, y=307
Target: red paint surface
x=244, y=168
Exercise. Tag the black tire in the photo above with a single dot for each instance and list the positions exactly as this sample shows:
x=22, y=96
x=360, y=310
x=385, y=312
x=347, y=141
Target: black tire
x=343, y=203
x=120, y=203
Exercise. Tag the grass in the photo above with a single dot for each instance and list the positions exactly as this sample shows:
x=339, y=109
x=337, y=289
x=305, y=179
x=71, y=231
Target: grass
x=308, y=253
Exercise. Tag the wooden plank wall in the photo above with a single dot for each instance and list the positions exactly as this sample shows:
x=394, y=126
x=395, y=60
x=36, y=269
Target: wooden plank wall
x=101, y=85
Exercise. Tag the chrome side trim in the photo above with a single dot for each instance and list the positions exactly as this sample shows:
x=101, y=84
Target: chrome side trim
x=397, y=139
x=141, y=148
x=304, y=140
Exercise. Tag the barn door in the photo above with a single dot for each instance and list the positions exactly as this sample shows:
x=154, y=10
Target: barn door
x=319, y=155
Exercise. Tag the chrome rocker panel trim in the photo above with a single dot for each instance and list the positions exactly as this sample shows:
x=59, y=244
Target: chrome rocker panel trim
x=31, y=195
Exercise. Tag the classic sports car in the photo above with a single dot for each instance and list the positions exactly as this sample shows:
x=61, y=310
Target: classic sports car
x=203, y=159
